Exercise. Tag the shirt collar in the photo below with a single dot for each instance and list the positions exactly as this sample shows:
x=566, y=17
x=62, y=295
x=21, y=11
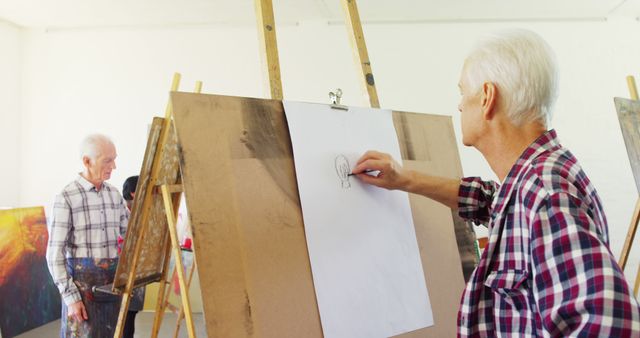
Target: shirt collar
x=84, y=183
x=545, y=142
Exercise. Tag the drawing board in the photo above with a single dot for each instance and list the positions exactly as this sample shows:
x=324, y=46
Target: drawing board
x=249, y=237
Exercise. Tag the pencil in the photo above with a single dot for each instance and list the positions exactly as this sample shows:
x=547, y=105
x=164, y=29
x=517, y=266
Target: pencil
x=366, y=171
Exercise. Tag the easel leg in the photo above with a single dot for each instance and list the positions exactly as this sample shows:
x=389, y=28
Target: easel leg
x=184, y=295
x=631, y=234
x=181, y=313
x=124, y=308
x=354, y=27
x=269, y=55
x=163, y=298
x=157, y=319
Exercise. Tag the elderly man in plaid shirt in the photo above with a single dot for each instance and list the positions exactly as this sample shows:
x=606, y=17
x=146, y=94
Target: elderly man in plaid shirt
x=88, y=216
x=547, y=270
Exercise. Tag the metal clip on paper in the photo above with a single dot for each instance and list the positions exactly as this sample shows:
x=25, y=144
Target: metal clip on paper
x=335, y=100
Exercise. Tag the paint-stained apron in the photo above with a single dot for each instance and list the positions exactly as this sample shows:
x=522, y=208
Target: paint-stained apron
x=102, y=308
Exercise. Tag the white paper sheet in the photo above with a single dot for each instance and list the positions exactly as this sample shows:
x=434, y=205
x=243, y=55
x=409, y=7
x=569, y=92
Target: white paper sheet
x=362, y=245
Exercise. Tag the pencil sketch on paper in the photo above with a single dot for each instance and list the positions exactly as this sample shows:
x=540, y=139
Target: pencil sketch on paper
x=354, y=224
x=343, y=169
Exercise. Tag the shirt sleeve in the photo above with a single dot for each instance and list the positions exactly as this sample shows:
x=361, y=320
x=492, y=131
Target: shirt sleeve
x=59, y=233
x=579, y=288
x=474, y=199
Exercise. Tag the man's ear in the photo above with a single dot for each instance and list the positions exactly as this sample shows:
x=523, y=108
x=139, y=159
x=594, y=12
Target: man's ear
x=86, y=161
x=489, y=100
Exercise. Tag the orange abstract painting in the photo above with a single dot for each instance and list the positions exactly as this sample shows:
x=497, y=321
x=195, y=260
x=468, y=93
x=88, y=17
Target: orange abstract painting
x=29, y=297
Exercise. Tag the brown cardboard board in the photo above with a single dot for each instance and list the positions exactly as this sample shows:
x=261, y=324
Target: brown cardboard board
x=249, y=241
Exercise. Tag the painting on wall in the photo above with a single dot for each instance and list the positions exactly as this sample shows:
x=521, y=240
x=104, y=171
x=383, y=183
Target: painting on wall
x=29, y=297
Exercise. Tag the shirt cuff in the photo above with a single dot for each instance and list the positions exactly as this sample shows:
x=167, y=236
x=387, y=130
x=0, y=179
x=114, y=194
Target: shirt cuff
x=72, y=297
x=467, y=204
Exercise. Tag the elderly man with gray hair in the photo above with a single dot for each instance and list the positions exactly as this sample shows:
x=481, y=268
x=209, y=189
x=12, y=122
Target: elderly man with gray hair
x=88, y=216
x=547, y=270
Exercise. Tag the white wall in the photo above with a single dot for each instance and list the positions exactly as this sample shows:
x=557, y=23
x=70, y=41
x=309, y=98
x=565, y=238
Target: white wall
x=10, y=68
x=114, y=80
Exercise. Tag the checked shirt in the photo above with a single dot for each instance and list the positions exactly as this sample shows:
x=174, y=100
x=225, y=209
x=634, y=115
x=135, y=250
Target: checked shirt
x=85, y=224
x=547, y=269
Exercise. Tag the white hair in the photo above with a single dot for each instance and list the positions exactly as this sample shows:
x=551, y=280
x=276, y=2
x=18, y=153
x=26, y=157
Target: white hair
x=523, y=67
x=90, y=146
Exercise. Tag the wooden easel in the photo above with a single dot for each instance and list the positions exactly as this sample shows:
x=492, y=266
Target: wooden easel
x=171, y=195
x=268, y=39
x=267, y=34
x=256, y=262
x=266, y=23
x=631, y=233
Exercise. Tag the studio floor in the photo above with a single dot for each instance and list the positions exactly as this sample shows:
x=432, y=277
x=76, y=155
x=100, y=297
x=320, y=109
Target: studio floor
x=144, y=323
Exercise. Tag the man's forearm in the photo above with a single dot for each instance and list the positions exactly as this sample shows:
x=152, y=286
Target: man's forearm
x=440, y=189
x=57, y=266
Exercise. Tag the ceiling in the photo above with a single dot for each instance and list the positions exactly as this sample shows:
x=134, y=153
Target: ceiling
x=97, y=13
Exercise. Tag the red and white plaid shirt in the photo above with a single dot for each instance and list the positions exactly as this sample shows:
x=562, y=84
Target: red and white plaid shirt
x=547, y=269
